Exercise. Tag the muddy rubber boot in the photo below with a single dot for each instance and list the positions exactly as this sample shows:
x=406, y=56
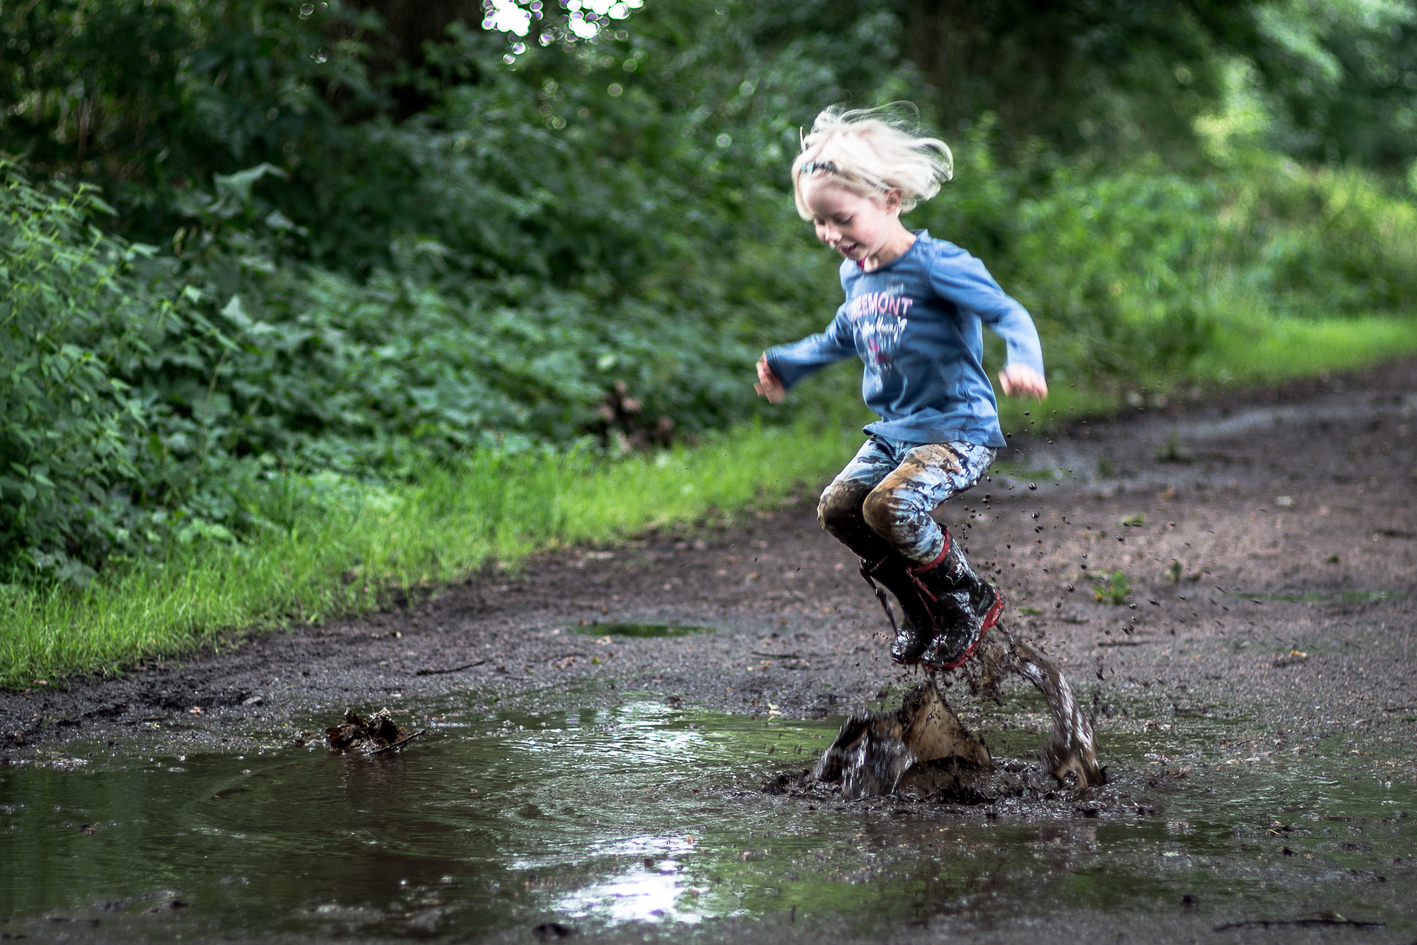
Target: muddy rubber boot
x=884, y=569
x=916, y=628
x=962, y=604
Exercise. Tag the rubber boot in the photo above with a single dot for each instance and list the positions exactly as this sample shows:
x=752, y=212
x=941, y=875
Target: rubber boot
x=916, y=628
x=884, y=569
x=962, y=604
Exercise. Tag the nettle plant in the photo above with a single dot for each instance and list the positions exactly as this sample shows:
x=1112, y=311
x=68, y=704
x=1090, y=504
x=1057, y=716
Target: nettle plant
x=72, y=431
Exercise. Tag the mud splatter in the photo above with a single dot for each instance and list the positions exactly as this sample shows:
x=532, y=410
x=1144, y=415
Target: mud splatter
x=922, y=744
x=1072, y=748
x=373, y=735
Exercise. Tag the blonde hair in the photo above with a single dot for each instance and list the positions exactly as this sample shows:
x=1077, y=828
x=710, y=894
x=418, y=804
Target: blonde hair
x=871, y=151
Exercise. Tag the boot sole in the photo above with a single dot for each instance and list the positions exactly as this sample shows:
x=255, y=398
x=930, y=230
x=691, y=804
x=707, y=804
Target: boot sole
x=913, y=661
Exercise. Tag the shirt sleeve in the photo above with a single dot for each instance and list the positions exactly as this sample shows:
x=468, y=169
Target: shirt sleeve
x=964, y=281
x=792, y=362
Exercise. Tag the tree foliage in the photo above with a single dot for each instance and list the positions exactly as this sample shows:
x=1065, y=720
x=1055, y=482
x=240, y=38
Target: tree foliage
x=358, y=238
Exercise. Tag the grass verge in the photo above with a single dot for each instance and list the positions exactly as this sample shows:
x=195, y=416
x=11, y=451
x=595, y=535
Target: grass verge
x=1277, y=349
x=341, y=547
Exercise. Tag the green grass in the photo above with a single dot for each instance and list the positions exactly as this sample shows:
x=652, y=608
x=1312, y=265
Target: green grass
x=345, y=546
x=1276, y=349
x=342, y=548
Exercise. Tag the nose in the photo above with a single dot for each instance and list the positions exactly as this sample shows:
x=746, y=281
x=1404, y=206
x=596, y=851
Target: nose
x=828, y=233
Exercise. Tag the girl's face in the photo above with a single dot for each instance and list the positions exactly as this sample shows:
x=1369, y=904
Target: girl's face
x=860, y=228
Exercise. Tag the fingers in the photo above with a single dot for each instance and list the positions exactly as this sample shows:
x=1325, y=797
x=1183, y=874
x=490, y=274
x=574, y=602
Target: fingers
x=768, y=385
x=774, y=394
x=1020, y=381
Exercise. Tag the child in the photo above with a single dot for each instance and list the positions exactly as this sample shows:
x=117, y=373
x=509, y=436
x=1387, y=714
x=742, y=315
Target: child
x=913, y=310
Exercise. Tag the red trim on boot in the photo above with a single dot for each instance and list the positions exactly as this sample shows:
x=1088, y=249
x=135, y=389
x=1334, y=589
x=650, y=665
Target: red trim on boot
x=991, y=618
x=995, y=612
x=988, y=621
x=922, y=568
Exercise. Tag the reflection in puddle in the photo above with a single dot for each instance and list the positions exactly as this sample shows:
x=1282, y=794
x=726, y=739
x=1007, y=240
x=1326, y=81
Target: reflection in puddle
x=649, y=890
x=599, y=817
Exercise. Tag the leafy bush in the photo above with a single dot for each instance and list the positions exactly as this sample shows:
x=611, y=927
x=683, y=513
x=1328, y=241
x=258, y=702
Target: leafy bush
x=586, y=247
x=71, y=429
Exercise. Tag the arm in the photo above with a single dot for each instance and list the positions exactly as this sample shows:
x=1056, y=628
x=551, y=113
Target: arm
x=782, y=366
x=964, y=281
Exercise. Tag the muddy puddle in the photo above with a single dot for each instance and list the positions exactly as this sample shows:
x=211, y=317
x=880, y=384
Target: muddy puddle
x=498, y=823
x=640, y=631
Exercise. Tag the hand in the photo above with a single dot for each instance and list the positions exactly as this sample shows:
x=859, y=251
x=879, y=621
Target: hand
x=1018, y=380
x=768, y=385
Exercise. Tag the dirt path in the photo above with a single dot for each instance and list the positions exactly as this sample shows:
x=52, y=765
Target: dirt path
x=1272, y=571
x=1255, y=683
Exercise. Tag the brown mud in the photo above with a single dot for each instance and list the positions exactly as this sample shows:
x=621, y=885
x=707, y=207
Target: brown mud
x=923, y=744
x=373, y=735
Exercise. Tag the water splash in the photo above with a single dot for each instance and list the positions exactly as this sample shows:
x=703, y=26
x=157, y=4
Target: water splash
x=1072, y=748
x=924, y=745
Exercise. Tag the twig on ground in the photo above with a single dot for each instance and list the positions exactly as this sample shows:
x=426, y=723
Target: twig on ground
x=398, y=744
x=454, y=669
x=1266, y=923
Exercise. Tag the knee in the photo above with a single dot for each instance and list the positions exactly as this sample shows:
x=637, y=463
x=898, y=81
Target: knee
x=885, y=513
x=840, y=506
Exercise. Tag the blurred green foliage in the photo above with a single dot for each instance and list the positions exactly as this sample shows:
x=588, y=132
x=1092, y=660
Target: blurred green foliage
x=1130, y=272
x=1114, y=589
x=1338, y=80
x=323, y=246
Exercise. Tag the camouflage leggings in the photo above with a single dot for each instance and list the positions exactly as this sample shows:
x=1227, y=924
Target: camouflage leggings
x=882, y=500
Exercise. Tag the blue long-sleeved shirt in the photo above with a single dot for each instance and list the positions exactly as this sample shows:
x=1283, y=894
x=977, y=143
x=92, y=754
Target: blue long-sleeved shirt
x=916, y=324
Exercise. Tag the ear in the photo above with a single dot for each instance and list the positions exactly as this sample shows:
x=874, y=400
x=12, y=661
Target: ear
x=890, y=200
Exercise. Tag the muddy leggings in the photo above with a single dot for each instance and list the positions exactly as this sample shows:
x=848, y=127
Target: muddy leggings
x=882, y=500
